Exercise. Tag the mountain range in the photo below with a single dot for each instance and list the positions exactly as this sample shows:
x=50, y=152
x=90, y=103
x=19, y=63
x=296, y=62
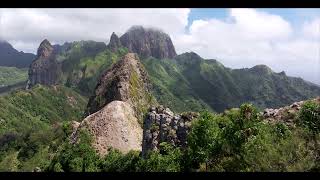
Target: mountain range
x=182, y=82
x=13, y=58
x=122, y=94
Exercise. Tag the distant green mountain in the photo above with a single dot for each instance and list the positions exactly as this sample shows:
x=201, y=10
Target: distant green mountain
x=190, y=82
x=31, y=123
x=82, y=62
x=13, y=58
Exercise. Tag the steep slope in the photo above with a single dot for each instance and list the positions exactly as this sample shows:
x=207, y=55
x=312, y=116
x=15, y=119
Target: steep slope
x=125, y=81
x=171, y=87
x=207, y=83
x=186, y=82
x=77, y=64
x=13, y=58
x=31, y=127
x=117, y=107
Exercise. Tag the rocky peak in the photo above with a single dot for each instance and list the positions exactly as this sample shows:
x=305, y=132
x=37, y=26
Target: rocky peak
x=44, y=69
x=261, y=69
x=125, y=81
x=188, y=58
x=148, y=42
x=114, y=43
x=117, y=107
x=45, y=49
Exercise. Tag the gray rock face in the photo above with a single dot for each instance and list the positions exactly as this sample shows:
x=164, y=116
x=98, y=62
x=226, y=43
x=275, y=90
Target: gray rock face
x=44, y=69
x=115, y=126
x=162, y=125
x=148, y=42
x=114, y=43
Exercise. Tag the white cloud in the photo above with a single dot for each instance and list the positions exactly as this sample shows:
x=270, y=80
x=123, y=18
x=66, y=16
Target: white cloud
x=260, y=25
x=249, y=37
x=312, y=28
x=26, y=27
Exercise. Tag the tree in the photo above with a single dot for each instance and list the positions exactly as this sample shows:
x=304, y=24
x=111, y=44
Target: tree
x=204, y=140
x=310, y=118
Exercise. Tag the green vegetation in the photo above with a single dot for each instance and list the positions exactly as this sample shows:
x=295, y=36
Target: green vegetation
x=141, y=99
x=240, y=141
x=310, y=119
x=32, y=123
x=236, y=140
x=81, y=71
x=81, y=157
x=170, y=87
x=12, y=75
x=190, y=83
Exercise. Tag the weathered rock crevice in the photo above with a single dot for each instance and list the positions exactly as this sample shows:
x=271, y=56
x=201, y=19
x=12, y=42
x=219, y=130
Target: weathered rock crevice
x=162, y=125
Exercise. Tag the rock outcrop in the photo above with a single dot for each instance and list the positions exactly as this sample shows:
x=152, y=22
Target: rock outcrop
x=116, y=109
x=125, y=81
x=286, y=114
x=114, y=43
x=44, y=69
x=148, y=42
x=162, y=125
x=115, y=126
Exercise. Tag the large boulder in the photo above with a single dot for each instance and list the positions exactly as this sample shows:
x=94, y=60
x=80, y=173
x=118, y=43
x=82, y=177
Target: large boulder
x=116, y=126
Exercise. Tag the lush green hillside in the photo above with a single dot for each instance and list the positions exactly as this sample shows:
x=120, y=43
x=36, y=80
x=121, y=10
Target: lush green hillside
x=171, y=87
x=11, y=75
x=32, y=122
x=189, y=82
x=82, y=63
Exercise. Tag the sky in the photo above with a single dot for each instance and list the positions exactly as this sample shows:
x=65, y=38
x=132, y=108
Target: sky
x=283, y=39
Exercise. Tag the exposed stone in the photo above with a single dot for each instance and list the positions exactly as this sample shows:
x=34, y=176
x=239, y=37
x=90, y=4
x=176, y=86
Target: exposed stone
x=148, y=42
x=125, y=81
x=116, y=126
x=285, y=114
x=45, y=69
x=37, y=169
x=172, y=128
x=114, y=43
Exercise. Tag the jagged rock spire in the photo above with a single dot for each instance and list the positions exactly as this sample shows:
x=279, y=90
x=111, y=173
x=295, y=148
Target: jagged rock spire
x=45, y=49
x=44, y=69
x=114, y=43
